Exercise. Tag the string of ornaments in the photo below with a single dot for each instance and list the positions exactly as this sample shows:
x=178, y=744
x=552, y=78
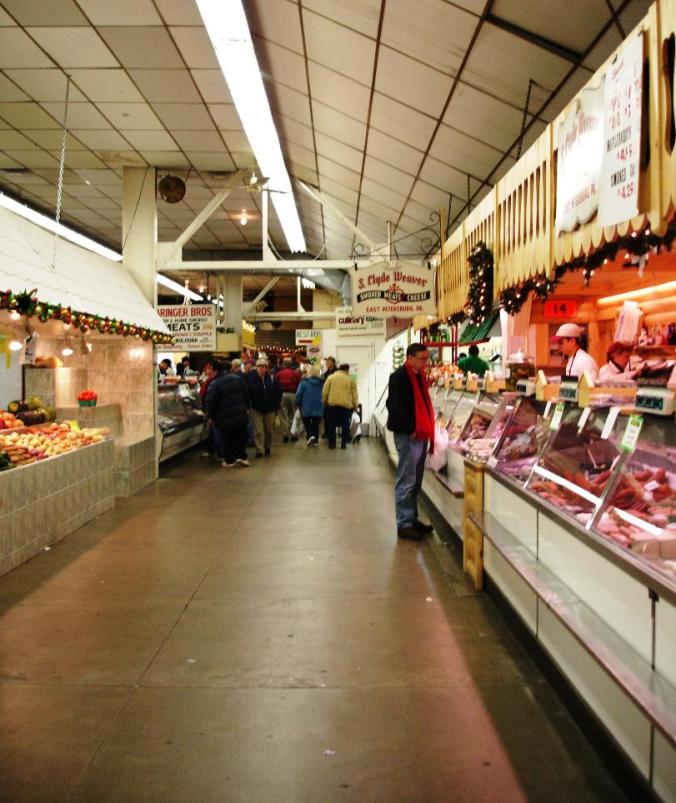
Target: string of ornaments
x=27, y=304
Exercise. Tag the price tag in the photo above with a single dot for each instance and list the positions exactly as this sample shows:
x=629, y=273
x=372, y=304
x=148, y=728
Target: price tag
x=548, y=407
x=558, y=415
x=610, y=422
x=631, y=433
x=583, y=418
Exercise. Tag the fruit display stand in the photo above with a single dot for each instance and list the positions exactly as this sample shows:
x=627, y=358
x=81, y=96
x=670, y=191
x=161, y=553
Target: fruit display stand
x=43, y=500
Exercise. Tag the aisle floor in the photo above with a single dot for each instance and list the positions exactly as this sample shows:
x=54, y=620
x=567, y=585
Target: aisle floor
x=260, y=635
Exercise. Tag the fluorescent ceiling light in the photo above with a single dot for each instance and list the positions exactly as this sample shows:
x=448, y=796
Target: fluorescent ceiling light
x=58, y=228
x=228, y=30
x=308, y=284
x=165, y=281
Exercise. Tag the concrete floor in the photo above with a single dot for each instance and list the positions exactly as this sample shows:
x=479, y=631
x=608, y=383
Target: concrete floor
x=259, y=635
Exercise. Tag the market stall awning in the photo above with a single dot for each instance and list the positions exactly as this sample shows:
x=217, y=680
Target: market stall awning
x=78, y=278
x=479, y=331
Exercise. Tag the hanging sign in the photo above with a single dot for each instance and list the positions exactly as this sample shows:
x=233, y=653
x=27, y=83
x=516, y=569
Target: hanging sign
x=308, y=337
x=622, y=135
x=560, y=309
x=579, y=140
x=393, y=289
x=193, y=326
x=347, y=324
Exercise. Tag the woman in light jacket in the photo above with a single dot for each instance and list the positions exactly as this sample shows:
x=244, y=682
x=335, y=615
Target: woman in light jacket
x=309, y=401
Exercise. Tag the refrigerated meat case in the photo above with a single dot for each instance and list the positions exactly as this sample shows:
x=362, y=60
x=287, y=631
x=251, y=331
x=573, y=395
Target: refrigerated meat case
x=180, y=418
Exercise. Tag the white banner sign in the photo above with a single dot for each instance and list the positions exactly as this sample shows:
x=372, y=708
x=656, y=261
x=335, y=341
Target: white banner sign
x=193, y=326
x=389, y=290
x=308, y=337
x=622, y=140
x=346, y=324
x=579, y=140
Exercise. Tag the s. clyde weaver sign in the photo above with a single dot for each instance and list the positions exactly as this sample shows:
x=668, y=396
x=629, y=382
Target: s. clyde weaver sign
x=388, y=290
x=193, y=326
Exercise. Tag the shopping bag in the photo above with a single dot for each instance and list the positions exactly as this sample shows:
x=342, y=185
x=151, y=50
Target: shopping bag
x=437, y=460
x=355, y=425
x=297, y=427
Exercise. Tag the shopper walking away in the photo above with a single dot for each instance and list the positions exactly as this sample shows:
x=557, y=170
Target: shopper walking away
x=208, y=375
x=411, y=419
x=227, y=409
x=264, y=397
x=287, y=381
x=340, y=399
x=329, y=369
x=309, y=401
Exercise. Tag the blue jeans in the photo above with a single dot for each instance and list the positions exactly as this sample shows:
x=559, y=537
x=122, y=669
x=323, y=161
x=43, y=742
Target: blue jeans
x=409, y=478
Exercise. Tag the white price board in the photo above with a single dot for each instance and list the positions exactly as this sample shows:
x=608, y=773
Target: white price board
x=393, y=290
x=308, y=337
x=193, y=326
x=579, y=141
x=622, y=135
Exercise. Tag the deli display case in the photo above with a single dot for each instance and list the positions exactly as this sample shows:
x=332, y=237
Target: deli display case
x=180, y=419
x=523, y=438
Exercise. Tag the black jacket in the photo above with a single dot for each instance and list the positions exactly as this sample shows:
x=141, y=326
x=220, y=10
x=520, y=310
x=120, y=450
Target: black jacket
x=400, y=402
x=228, y=401
x=264, y=395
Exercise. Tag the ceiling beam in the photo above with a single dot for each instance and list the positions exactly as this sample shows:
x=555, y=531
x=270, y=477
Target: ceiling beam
x=257, y=266
x=534, y=38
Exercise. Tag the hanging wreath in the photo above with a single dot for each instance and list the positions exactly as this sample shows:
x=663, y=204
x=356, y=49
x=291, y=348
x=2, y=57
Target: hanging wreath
x=480, y=297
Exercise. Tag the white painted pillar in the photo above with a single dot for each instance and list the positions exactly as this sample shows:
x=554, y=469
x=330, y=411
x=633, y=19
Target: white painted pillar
x=139, y=227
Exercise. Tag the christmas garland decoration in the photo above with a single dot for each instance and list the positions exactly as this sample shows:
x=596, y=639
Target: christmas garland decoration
x=27, y=304
x=637, y=248
x=480, y=298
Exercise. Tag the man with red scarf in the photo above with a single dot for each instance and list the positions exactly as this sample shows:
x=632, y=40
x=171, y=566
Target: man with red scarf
x=411, y=418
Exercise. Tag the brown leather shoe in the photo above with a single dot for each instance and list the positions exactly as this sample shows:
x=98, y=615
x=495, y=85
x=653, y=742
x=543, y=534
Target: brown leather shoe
x=411, y=533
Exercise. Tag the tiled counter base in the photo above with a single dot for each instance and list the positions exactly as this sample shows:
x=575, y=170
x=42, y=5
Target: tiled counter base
x=43, y=502
x=135, y=466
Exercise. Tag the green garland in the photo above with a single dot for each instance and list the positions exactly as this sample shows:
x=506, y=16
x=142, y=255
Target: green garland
x=480, y=298
x=27, y=304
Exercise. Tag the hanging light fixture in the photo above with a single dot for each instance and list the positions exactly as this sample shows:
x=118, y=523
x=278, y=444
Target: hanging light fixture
x=15, y=344
x=243, y=219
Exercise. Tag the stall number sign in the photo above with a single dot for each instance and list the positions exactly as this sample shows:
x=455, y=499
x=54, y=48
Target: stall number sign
x=631, y=433
x=193, y=326
x=560, y=309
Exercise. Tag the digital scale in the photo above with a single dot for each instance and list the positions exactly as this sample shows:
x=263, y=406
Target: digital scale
x=655, y=400
x=525, y=387
x=568, y=390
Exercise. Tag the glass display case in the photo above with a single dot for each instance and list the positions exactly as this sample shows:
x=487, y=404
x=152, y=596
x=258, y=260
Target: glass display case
x=180, y=418
x=522, y=438
x=577, y=463
x=485, y=425
x=460, y=405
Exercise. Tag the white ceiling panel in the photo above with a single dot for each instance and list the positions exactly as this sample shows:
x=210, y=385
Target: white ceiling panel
x=195, y=47
x=342, y=50
x=387, y=176
x=302, y=172
x=461, y=151
x=37, y=12
x=283, y=65
x=186, y=116
x=341, y=93
x=294, y=132
x=445, y=178
x=142, y=46
x=401, y=122
x=120, y=12
x=419, y=212
x=331, y=170
x=13, y=139
x=17, y=49
x=379, y=210
x=412, y=83
x=299, y=154
x=109, y=86
x=339, y=152
x=45, y=85
x=218, y=160
x=199, y=141
x=51, y=139
x=5, y=19
x=108, y=179
x=278, y=21
x=360, y=15
x=32, y=158
x=243, y=160
x=503, y=70
x=150, y=140
x=166, y=86
x=80, y=159
x=225, y=116
x=438, y=34
x=130, y=115
x=392, y=152
x=27, y=115
x=339, y=192
x=212, y=86
x=178, y=12
x=384, y=195
x=80, y=115
x=74, y=46
x=340, y=126
x=236, y=141
x=9, y=91
x=289, y=101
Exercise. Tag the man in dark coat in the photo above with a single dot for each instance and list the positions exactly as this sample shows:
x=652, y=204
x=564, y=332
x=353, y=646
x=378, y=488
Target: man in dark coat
x=411, y=419
x=227, y=407
x=264, y=405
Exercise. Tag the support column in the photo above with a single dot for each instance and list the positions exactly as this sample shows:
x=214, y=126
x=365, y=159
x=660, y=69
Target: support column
x=139, y=227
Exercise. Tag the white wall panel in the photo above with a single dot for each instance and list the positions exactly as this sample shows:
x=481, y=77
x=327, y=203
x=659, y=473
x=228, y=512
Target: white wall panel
x=514, y=513
x=522, y=598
